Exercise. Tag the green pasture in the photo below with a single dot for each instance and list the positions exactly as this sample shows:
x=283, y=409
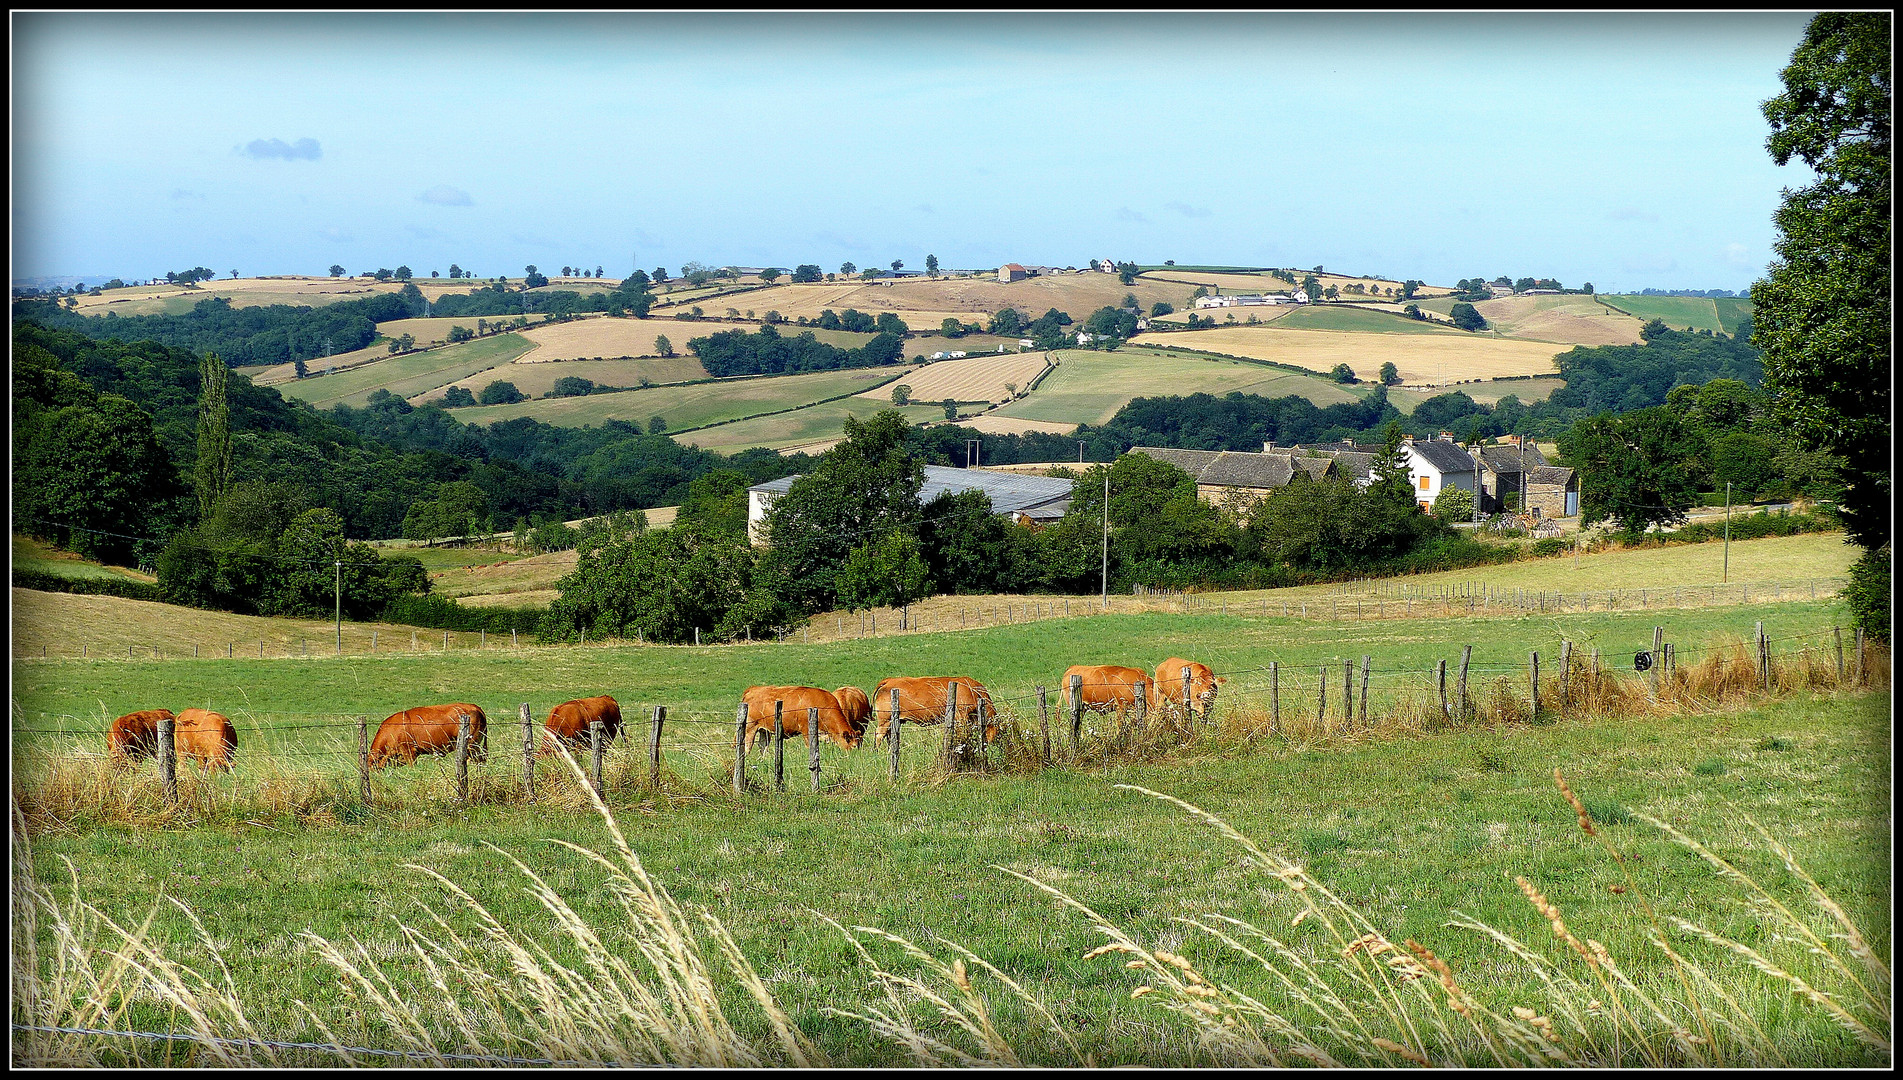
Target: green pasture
x=1089, y=387
x=1484, y=391
x=156, y=305
x=411, y=374
x=1411, y=831
x=1681, y=312
x=31, y=554
x=798, y=426
x=1732, y=312
x=1359, y=319
x=687, y=406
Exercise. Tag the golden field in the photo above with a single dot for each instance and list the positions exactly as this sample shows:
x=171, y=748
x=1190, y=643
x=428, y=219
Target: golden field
x=1263, y=283
x=924, y=302
x=977, y=378
x=1424, y=359
x=1574, y=319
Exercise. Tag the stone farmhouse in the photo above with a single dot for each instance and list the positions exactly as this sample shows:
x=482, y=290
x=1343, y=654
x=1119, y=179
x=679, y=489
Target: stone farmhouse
x=1501, y=466
x=1230, y=476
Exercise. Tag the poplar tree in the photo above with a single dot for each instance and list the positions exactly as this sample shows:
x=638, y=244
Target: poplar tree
x=212, y=475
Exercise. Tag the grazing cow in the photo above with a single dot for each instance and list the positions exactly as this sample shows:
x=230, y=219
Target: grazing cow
x=569, y=721
x=1169, y=684
x=206, y=737
x=1106, y=688
x=135, y=735
x=834, y=722
x=922, y=701
x=853, y=703
x=427, y=729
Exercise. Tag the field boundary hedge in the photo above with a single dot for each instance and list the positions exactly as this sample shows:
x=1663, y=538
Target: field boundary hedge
x=121, y=587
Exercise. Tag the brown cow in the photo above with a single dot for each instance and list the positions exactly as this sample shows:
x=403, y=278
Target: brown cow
x=834, y=722
x=135, y=735
x=1106, y=688
x=853, y=703
x=427, y=729
x=922, y=701
x=206, y=737
x=569, y=721
x=1169, y=684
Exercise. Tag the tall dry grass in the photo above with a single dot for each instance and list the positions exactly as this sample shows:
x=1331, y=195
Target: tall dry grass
x=658, y=984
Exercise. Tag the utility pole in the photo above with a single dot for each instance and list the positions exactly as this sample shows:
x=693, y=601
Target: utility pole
x=340, y=607
x=1727, y=576
x=1106, y=538
x=1080, y=451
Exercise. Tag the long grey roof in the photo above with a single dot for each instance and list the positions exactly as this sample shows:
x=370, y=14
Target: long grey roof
x=1445, y=456
x=1233, y=468
x=1503, y=458
x=1549, y=474
x=1008, y=491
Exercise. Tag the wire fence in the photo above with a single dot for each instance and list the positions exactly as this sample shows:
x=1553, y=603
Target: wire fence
x=308, y=759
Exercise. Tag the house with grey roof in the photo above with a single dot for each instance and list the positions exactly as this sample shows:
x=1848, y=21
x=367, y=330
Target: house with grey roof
x=1356, y=460
x=1434, y=465
x=1229, y=476
x=1551, y=491
x=1027, y=500
x=1501, y=466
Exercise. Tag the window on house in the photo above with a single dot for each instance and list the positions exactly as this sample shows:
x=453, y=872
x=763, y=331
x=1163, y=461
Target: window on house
x=1425, y=482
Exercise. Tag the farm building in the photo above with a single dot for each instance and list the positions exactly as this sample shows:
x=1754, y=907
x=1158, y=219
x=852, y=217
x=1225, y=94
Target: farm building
x=1251, y=300
x=1224, y=476
x=1027, y=500
x=1010, y=272
x=1551, y=492
x=1433, y=465
x=1501, y=467
x=1356, y=461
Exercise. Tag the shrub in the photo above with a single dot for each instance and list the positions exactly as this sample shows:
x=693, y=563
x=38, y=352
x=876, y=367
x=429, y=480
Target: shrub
x=44, y=582
x=1552, y=545
x=1867, y=595
x=442, y=613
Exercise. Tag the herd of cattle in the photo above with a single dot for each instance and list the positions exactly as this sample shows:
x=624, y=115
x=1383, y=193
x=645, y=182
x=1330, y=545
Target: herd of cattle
x=209, y=739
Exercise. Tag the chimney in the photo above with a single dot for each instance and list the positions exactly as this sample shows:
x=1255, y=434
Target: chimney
x=1268, y=446
x=1407, y=440
x=1446, y=436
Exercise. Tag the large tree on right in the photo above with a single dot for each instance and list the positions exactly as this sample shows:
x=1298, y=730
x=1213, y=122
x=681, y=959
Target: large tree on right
x=1822, y=316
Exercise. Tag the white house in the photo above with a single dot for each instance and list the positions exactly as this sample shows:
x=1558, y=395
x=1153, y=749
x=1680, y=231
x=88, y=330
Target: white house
x=1434, y=465
x=1104, y=265
x=1250, y=300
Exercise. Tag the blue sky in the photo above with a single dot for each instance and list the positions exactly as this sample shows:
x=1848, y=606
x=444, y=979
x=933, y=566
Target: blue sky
x=1626, y=150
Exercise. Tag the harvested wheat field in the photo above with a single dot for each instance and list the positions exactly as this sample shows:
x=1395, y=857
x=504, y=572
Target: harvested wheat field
x=1574, y=320
x=924, y=303
x=1263, y=283
x=526, y=582
x=978, y=378
x=993, y=424
x=1421, y=359
x=257, y=292
x=617, y=338
x=1262, y=314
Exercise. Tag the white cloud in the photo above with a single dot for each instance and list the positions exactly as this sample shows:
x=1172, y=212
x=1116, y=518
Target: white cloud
x=263, y=149
x=1738, y=255
x=444, y=195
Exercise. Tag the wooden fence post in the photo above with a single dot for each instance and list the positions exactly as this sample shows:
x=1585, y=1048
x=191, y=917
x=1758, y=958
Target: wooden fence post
x=740, y=750
x=779, y=746
x=1275, y=696
x=1076, y=710
x=1466, y=703
x=1189, y=709
x=1839, y=632
x=445, y=641
x=1348, y=692
x=654, y=746
x=462, y=757
x=1440, y=669
x=528, y=751
x=1565, y=673
x=894, y=733
x=594, y=753
x=1533, y=680
x=1140, y=693
x=1860, y=657
x=1658, y=650
x=951, y=722
x=1366, y=663
x=1044, y=720
x=168, y=760
x=1764, y=674
x=363, y=759
x=812, y=746
x=1321, y=697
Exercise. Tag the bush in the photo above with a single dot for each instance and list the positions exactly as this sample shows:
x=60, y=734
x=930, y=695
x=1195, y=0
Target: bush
x=442, y=613
x=44, y=582
x=1867, y=595
x=500, y=393
x=1552, y=545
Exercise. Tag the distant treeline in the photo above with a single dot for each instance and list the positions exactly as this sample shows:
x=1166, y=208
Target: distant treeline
x=242, y=336
x=767, y=352
x=498, y=299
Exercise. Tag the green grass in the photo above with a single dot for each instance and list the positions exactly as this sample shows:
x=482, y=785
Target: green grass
x=799, y=426
x=31, y=554
x=1350, y=318
x=1677, y=312
x=410, y=374
x=1732, y=312
x=1089, y=387
x=686, y=406
x=1382, y=823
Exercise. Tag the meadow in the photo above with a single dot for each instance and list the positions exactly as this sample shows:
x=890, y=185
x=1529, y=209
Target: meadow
x=690, y=406
x=536, y=379
x=606, y=338
x=1484, y=391
x=31, y=554
x=1089, y=387
x=1359, y=320
x=924, y=303
x=810, y=427
x=977, y=378
x=255, y=292
x=410, y=374
x=1720, y=314
x=1412, y=827
x=1569, y=319
x=1262, y=282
